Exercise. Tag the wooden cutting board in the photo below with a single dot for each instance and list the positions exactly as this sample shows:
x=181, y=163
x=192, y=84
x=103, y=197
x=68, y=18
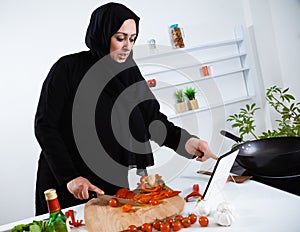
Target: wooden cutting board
x=100, y=217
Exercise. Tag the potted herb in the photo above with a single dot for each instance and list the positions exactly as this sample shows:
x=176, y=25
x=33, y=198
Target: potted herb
x=190, y=93
x=283, y=103
x=180, y=103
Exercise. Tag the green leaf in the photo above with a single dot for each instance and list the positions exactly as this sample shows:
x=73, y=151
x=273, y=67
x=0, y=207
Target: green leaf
x=284, y=91
x=248, y=107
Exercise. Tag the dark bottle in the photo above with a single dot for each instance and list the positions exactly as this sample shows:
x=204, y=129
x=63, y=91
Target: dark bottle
x=57, y=221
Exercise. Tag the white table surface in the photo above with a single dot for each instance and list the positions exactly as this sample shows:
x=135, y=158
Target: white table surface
x=259, y=207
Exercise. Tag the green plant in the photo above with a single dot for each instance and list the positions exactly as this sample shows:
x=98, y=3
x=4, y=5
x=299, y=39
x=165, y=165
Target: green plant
x=244, y=120
x=179, y=95
x=283, y=103
x=190, y=93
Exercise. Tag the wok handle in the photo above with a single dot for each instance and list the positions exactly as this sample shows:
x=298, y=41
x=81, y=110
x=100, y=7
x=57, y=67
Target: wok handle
x=231, y=136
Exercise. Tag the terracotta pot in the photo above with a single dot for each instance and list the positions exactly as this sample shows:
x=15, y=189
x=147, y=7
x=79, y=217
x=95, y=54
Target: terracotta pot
x=180, y=107
x=193, y=104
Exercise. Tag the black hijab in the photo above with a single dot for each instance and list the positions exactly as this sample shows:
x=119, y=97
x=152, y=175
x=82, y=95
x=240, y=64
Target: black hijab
x=105, y=22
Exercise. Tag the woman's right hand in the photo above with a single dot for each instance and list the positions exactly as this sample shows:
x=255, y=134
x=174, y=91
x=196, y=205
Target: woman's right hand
x=81, y=186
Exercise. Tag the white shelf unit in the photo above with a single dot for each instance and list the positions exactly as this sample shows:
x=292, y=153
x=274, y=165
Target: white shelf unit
x=180, y=68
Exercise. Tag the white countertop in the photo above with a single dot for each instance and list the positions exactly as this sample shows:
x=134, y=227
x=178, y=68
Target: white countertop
x=259, y=207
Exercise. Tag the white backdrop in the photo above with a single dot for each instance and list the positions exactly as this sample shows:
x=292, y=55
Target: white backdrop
x=34, y=34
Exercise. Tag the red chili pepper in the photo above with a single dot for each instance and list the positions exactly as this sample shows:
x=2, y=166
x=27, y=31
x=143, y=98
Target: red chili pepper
x=73, y=222
x=195, y=193
x=195, y=188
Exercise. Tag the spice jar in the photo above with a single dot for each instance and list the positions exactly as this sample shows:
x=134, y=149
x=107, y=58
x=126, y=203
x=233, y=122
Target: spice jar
x=176, y=34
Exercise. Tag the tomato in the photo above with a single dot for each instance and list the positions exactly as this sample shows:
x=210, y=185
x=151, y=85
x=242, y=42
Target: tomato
x=132, y=228
x=122, y=192
x=186, y=222
x=165, y=227
x=129, y=195
x=126, y=207
x=176, y=225
x=153, y=202
x=193, y=218
x=203, y=221
x=113, y=202
x=146, y=227
x=156, y=224
x=169, y=220
x=178, y=217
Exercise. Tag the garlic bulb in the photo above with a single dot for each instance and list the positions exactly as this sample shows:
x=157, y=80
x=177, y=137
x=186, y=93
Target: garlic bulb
x=202, y=208
x=225, y=214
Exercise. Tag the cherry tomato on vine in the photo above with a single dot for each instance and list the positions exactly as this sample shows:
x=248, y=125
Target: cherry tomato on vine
x=156, y=224
x=132, y=228
x=146, y=227
x=203, y=221
x=186, y=222
x=178, y=217
x=169, y=220
x=165, y=227
x=176, y=225
x=113, y=202
x=193, y=218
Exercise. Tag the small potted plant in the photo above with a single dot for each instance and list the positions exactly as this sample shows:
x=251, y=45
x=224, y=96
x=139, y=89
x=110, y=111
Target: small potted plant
x=180, y=103
x=190, y=93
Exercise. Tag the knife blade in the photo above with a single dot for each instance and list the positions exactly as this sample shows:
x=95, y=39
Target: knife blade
x=123, y=201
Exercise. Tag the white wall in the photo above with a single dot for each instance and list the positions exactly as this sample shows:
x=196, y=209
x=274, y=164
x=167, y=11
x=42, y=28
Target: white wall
x=285, y=14
x=36, y=33
x=277, y=38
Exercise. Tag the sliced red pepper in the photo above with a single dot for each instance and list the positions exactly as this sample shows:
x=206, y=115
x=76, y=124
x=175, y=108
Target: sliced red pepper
x=173, y=193
x=144, y=199
x=160, y=195
x=155, y=189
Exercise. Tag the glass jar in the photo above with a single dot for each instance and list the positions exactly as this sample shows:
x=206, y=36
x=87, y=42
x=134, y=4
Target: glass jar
x=177, y=35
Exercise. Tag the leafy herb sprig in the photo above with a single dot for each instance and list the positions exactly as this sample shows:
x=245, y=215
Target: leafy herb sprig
x=244, y=120
x=283, y=103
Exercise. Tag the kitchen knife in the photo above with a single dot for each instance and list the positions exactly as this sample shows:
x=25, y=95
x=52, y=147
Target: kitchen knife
x=122, y=201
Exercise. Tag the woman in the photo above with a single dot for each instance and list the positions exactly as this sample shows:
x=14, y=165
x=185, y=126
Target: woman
x=110, y=36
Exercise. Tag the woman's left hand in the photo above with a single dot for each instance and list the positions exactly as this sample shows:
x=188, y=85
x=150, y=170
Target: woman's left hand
x=200, y=148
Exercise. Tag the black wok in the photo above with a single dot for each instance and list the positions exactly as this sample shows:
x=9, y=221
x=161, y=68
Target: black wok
x=270, y=157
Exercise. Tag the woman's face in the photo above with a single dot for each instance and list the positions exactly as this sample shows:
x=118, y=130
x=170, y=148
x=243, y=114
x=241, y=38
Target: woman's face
x=122, y=41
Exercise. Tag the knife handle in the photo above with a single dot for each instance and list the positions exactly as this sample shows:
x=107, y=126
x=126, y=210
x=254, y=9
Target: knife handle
x=92, y=194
